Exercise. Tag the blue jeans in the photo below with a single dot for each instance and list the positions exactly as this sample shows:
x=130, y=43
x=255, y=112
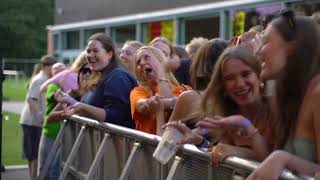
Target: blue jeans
x=45, y=147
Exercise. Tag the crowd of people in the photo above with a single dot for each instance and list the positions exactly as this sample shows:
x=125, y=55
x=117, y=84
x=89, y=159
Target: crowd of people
x=255, y=96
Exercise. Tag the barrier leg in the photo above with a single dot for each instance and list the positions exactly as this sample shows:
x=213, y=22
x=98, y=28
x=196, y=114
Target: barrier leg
x=174, y=167
x=72, y=154
x=98, y=157
x=55, y=146
x=127, y=168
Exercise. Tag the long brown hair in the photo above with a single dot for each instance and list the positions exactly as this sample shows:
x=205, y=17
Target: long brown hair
x=109, y=46
x=214, y=101
x=203, y=63
x=302, y=65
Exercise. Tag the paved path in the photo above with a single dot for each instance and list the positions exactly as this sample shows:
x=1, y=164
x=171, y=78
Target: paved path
x=12, y=106
x=15, y=173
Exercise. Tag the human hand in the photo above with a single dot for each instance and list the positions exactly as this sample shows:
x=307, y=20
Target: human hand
x=72, y=109
x=235, y=121
x=63, y=97
x=221, y=151
x=155, y=103
x=190, y=137
x=271, y=168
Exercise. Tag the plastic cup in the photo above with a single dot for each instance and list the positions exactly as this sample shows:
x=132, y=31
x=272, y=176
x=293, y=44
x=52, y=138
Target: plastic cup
x=168, y=145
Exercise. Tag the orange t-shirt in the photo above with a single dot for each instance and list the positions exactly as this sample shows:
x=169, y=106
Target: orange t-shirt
x=147, y=123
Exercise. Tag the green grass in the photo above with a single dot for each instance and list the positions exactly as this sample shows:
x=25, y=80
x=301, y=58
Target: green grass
x=11, y=140
x=14, y=90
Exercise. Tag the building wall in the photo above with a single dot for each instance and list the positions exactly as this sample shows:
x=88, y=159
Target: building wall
x=67, y=11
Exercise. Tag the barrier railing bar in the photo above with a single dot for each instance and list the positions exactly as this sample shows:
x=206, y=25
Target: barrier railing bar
x=210, y=171
x=97, y=158
x=187, y=149
x=120, y=130
x=161, y=171
x=174, y=167
x=125, y=151
x=77, y=174
x=130, y=162
x=72, y=153
x=52, y=152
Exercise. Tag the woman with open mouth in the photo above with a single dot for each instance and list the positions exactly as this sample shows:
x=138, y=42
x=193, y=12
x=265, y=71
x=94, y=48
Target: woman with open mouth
x=156, y=91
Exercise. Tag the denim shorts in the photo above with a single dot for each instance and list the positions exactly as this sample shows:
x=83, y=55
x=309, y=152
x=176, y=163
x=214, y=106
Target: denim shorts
x=31, y=139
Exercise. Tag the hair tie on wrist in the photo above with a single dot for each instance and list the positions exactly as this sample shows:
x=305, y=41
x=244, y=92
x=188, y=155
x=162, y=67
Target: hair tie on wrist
x=245, y=123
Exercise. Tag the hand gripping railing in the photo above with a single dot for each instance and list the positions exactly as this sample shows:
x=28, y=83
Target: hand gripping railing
x=111, y=160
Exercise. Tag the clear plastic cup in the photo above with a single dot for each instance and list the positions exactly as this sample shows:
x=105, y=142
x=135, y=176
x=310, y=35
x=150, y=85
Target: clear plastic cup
x=168, y=145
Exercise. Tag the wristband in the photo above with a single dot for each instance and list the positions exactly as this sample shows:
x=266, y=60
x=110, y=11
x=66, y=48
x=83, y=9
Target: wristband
x=204, y=144
x=245, y=123
x=203, y=131
x=70, y=100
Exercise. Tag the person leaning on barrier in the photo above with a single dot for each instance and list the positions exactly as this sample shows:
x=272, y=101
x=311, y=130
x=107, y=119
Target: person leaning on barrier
x=234, y=93
x=290, y=54
x=67, y=79
x=156, y=85
x=109, y=102
x=187, y=108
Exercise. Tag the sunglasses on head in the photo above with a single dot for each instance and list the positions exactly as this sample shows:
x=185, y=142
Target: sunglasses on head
x=85, y=71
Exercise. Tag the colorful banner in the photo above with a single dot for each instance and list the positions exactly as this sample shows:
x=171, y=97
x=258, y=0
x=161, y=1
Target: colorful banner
x=239, y=23
x=161, y=28
x=167, y=30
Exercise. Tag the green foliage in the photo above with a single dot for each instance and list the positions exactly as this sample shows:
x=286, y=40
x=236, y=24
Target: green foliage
x=15, y=90
x=23, y=27
x=11, y=140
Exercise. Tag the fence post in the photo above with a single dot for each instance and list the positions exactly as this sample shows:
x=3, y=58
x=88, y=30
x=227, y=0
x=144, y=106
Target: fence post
x=1, y=81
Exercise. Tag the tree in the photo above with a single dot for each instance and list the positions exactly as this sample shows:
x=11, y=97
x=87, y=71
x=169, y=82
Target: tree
x=23, y=24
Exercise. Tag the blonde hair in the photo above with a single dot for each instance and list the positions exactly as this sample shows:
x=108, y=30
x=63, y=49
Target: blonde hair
x=158, y=54
x=79, y=62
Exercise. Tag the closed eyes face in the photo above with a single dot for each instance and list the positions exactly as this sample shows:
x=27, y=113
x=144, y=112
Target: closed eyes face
x=127, y=55
x=240, y=82
x=273, y=53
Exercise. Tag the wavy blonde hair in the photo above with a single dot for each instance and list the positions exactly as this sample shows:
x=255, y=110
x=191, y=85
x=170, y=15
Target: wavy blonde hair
x=158, y=54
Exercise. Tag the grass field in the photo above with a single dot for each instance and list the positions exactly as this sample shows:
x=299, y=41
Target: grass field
x=11, y=140
x=14, y=90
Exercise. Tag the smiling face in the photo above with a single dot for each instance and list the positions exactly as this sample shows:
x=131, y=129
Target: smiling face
x=127, y=55
x=273, y=54
x=98, y=58
x=240, y=82
x=148, y=65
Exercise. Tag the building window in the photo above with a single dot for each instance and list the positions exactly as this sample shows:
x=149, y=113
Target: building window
x=55, y=42
x=207, y=27
x=71, y=40
x=122, y=34
x=89, y=32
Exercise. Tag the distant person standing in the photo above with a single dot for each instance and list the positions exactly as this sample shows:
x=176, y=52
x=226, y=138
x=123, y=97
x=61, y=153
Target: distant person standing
x=33, y=113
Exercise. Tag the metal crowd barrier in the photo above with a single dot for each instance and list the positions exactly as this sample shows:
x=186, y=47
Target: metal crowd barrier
x=103, y=151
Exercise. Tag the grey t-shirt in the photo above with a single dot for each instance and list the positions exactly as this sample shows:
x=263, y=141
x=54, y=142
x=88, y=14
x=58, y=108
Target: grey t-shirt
x=34, y=92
